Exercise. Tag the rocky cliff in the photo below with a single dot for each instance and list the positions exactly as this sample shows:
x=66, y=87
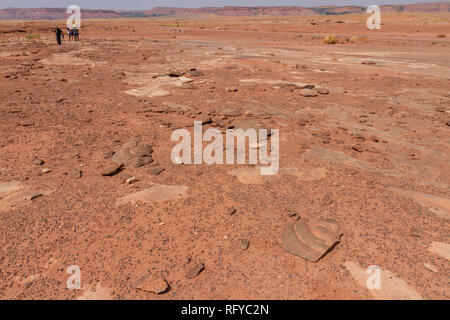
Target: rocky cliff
x=230, y=11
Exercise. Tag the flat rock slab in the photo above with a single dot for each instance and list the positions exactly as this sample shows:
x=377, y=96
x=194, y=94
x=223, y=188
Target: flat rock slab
x=21, y=197
x=300, y=85
x=440, y=248
x=149, y=91
x=150, y=86
x=9, y=187
x=184, y=85
x=133, y=154
x=152, y=284
x=155, y=194
x=308, y=93
x=250, y=124
x=67, y=59
x=249, y=175
x=391, y=286
x=253, y=175
x=334, y=156
x=228, y=112
x=311, y=240
x=174, y=107
x=304, y=174
x=261, y=115
x=439, y=206
x=97, y=293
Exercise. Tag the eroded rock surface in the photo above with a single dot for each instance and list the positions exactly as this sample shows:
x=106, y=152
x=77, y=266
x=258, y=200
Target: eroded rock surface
x=253, y=175
x=133, y=154
x=153, y=284
x=155, y=194
x=313, y=240
x=440, y=248
x=391, y=287
x=439, y=206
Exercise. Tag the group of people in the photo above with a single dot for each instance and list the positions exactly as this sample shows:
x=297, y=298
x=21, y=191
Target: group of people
x=73, y=33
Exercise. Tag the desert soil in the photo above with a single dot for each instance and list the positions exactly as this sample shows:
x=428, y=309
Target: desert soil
x=369, y=150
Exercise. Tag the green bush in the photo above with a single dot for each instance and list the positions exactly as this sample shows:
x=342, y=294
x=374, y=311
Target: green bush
x=32, y=37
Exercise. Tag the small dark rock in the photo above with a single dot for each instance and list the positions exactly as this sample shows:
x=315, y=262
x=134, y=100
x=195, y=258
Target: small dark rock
x=195, y=270
x=38, y=162
x=152, y=284
x=243, y=244
x=156, y=171
x=328, y=199
x=76, y=173
x=112, y=170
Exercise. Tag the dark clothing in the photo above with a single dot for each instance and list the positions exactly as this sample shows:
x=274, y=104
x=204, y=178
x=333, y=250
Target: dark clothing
x=75, y=34
x=59, y=33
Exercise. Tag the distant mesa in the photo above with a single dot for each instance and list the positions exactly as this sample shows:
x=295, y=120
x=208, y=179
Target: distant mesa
x=228, y=11
x=51, y=14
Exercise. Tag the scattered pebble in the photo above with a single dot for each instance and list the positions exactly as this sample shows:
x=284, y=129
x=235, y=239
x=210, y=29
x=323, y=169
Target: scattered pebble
x=112, y=170
x=328, y=199
x=243, y=244
x=322, y=90
x=430, y=267
x=76, y=173
x=130, y=180
x=148, y=283
x=307, y=93
x=38, y=162
x=156, y=171
x=195, y=270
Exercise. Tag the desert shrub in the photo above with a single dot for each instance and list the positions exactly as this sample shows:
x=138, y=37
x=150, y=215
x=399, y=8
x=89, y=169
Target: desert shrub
x=32, y=37
x=353, y=39
x=441, y=36
x=329, y=39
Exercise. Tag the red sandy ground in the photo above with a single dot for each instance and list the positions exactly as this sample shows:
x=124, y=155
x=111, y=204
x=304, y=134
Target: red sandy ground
x=67, y=106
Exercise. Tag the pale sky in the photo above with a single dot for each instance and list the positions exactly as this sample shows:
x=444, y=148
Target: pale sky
x=148, y=4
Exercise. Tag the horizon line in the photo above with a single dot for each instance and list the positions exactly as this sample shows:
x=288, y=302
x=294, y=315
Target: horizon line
x=230, y=6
